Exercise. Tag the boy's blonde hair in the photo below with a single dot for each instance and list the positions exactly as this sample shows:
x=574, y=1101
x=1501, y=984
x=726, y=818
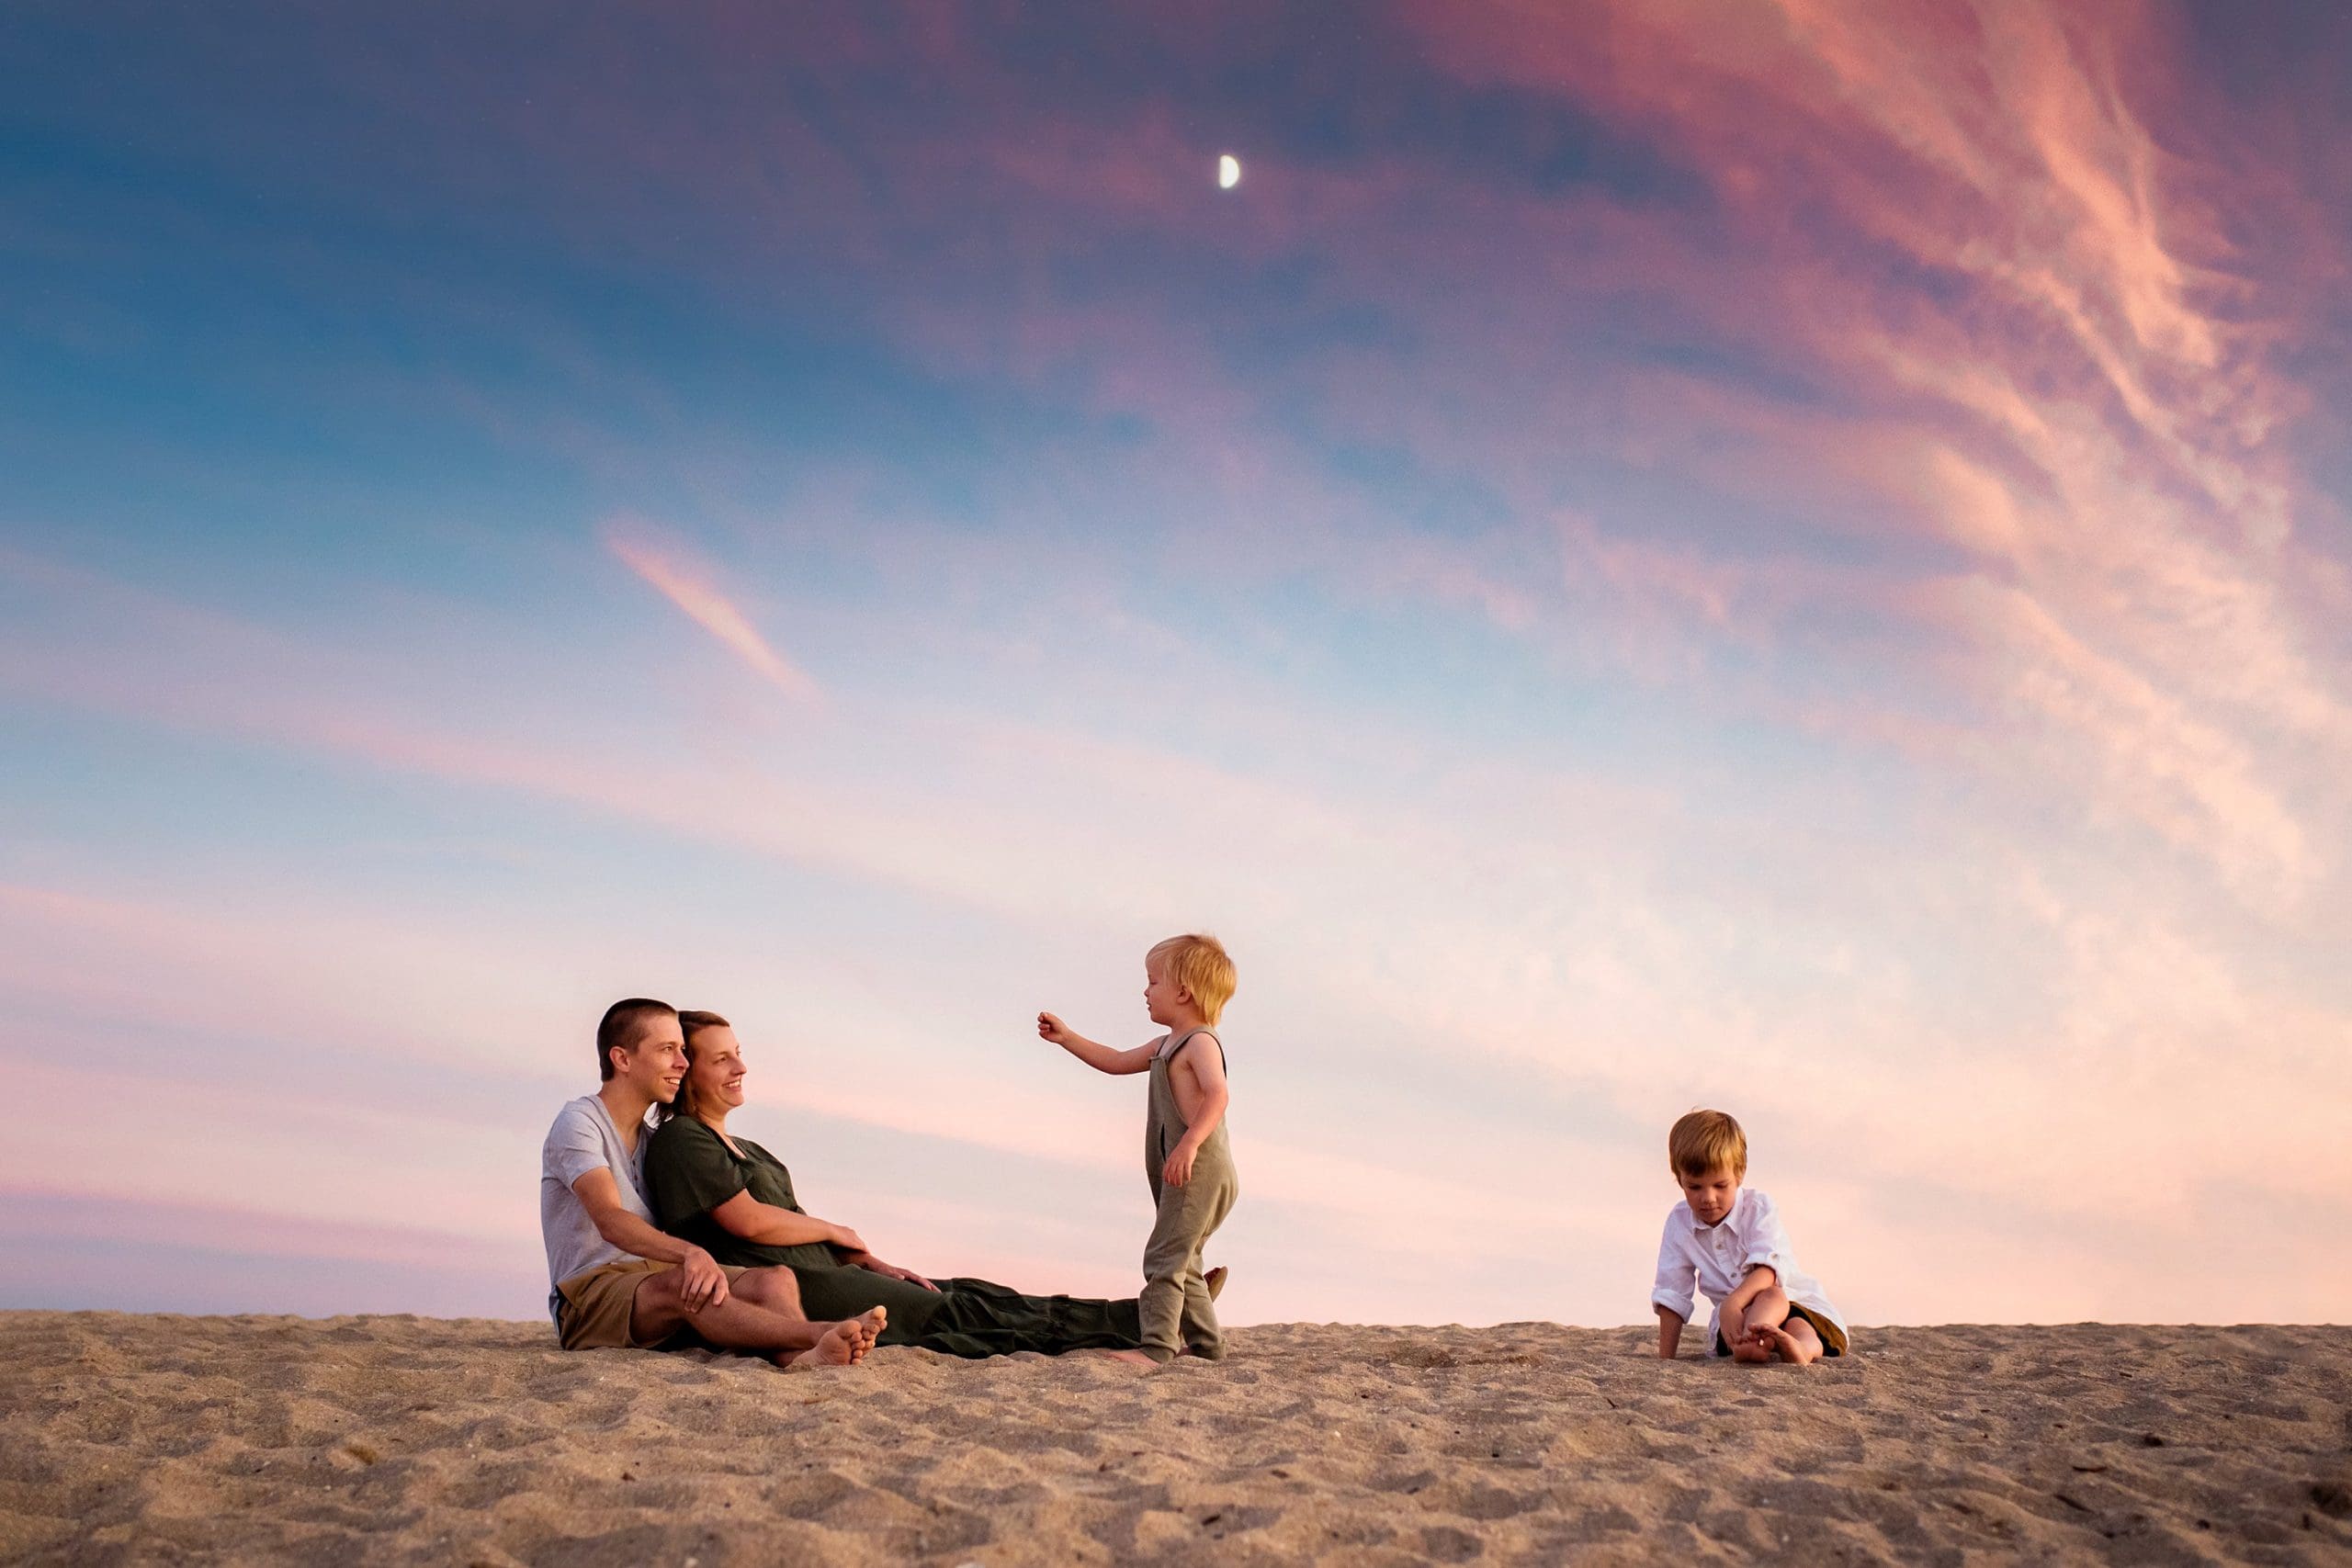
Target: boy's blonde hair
x=1705, y=1141
x=1199, y=963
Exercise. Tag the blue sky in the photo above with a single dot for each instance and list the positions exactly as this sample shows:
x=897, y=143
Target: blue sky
x=1792, y=560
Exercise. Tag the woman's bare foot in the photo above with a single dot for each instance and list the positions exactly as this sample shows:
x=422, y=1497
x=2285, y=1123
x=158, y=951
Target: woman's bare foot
x=842, y=1346
x=1215, y=1279
x=1793, y=1347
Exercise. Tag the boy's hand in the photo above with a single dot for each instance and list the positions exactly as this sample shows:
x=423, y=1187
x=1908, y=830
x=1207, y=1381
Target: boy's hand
x=1054, y=1029
x=1179, y=1169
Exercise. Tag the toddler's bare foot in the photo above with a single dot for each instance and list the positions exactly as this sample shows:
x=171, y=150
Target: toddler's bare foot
x=1132, y=1357
x=1792, y=1348
x=1215, y=1279
x=842, y=1346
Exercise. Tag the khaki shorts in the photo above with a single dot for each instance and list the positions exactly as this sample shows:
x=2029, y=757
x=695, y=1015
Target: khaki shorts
x=597, y=1304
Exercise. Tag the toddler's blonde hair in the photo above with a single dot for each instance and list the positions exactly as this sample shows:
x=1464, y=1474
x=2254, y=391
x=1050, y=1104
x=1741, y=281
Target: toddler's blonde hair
x=1199, y=963
x=1705, y=1141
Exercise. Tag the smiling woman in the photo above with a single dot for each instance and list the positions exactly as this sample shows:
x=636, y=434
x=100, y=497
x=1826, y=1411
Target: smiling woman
x=731, y=1197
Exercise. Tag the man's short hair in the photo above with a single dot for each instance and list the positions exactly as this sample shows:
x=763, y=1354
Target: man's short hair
x=1705, y=1141
x=1199, y=963
x=619, y=1028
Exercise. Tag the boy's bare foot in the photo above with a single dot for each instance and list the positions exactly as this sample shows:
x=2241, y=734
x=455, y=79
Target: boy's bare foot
x=1791, y=1348
x=842, y=1346
x=1215, y=1279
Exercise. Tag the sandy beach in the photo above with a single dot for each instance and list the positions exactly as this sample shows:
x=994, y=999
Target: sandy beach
x=380, y=1439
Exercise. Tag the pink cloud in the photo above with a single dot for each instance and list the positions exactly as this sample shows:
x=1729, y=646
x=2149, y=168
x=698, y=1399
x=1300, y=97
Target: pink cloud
x=689, y=588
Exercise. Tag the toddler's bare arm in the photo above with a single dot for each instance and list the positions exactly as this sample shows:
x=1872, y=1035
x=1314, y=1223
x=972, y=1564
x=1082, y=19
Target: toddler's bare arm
x=1094, y=1054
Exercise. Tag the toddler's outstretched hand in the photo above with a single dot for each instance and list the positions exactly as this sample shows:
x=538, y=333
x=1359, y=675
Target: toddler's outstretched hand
x=1053, y=1029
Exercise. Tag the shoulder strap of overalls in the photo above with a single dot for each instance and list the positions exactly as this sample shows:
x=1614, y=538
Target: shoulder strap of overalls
x=1167, y=1051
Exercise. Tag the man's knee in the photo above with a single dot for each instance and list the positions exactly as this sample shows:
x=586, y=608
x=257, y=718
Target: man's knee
x=775, y=1288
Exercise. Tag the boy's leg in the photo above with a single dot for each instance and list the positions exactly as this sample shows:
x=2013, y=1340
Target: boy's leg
x=1767, y=1311
x=1796, y=1340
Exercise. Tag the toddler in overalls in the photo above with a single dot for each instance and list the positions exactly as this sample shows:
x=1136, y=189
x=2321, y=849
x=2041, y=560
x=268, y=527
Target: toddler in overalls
x=1187, y=982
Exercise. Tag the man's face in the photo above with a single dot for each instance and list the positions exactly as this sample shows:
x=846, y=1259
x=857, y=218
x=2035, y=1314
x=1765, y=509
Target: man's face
x=1710, y=1196
x=655, y=1060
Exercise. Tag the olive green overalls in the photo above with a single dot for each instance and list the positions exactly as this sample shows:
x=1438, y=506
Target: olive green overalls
x=1176, y=1312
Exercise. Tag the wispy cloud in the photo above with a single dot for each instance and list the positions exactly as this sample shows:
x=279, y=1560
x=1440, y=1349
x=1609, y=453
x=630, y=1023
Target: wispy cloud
x=687, y=585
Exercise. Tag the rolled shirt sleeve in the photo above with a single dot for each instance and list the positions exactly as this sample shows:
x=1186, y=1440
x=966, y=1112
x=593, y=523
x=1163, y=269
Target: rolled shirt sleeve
x=1678, y=1277
x=1768, y=1239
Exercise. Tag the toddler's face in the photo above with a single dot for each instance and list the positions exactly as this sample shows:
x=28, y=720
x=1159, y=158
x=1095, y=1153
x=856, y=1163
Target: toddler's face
x=1710, y=1196
x=1161, y=995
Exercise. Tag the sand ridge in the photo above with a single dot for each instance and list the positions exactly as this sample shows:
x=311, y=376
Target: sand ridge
x=132, y=1438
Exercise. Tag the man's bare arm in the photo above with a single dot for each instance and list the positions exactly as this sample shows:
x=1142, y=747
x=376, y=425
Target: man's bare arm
x=745, y=1216
x=705, y=1284
x=1094, y=1052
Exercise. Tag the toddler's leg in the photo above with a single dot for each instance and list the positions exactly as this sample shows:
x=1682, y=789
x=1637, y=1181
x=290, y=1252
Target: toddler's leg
x=1202, y=1338
x=1172, y=1252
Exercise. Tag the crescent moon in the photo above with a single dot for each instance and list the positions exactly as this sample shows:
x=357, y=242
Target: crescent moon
x=1228, y=171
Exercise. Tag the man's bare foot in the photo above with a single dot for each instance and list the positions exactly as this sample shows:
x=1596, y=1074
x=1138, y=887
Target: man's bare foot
x=1792, y=1348
x=1132, y=1357
x=1215, y=1279
x=840, y=1347
x=869, y=1326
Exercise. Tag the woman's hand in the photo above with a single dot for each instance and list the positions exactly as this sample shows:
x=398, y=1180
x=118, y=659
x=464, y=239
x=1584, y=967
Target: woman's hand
x=866, y=1260
x=847, y=1239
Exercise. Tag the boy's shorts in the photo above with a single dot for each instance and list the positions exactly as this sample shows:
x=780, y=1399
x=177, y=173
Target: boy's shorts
x=597, y=1304
x=1833, y=1339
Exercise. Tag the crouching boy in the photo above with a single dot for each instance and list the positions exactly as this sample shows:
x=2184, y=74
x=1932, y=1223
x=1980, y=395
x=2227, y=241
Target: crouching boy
x=1726, y=1240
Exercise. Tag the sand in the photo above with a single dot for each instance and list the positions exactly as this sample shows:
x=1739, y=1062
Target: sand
x=397, y=1439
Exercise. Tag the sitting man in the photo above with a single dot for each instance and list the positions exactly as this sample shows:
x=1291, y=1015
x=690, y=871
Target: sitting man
x=616, y=1281
x=732, y=1197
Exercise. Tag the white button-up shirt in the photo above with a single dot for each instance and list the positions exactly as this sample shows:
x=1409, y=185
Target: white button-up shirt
x=1715, y=1258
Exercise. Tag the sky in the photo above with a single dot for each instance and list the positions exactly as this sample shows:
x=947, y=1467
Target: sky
x=1790, y=556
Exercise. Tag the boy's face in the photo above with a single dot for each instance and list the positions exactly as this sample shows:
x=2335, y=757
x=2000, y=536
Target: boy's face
x=1162, y=998
x=1710, y=1196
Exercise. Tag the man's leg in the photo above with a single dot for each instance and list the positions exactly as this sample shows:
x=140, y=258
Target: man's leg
x=742, y=1323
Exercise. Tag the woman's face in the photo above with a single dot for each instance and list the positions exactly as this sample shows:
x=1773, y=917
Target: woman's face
x=717, y=1072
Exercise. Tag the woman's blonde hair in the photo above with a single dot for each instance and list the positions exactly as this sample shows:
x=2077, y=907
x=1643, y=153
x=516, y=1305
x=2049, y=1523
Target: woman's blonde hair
x=1199, y=963
x=1705, y=1141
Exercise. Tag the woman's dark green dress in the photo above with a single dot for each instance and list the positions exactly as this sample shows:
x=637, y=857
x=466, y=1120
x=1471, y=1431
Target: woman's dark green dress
x=689, y=1172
